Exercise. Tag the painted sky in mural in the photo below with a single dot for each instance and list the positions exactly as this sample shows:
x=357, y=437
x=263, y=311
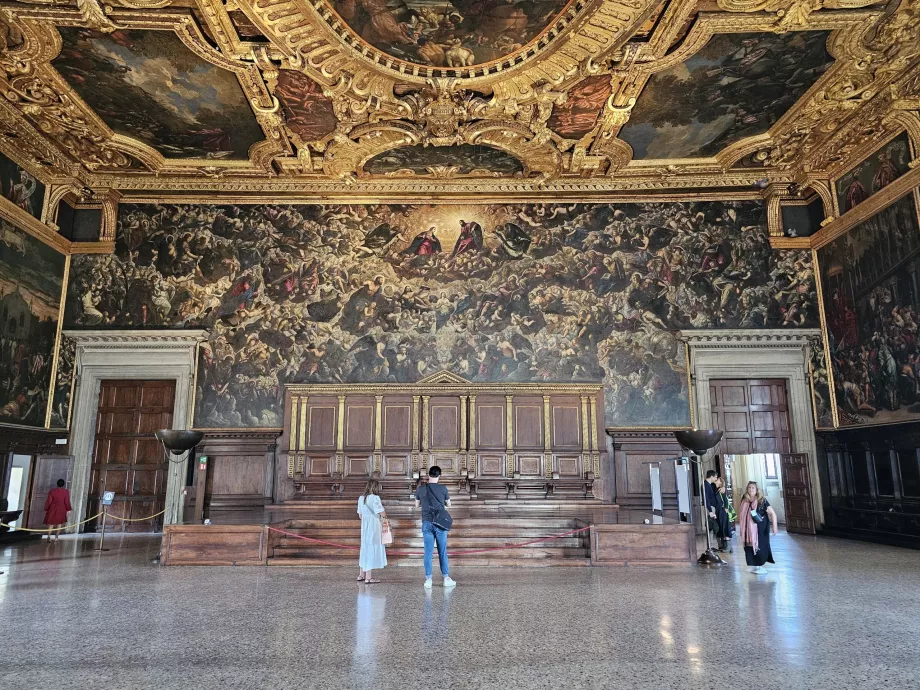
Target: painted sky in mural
x=738, y=85
x=876, y=172
x=515, y=292
x=31, y=281
x=872, y=309
x=426, y=160
x=23, y=189
x=148, y=85
x=448, y=33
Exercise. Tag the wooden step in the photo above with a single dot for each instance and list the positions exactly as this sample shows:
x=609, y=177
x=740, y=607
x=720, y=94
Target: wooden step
x=466, y=562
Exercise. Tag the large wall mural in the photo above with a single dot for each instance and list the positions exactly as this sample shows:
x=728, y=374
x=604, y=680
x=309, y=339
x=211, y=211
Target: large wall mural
x=876, y=172
x=463, y=159
x=869, y=279
x=516, y=292
x=148, y=85
x=31, y=285
x=20, y=187
x=736, y=86
x=448, y=33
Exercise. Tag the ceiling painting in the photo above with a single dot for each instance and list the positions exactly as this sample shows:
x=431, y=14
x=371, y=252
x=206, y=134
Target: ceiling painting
x=445, y=161
x=308, y=112
x=737, y=86
x=448, y=33
x=578, y=115
x=149, y=86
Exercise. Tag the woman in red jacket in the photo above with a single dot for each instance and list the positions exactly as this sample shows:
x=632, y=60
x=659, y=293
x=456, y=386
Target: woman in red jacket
x=56, y=508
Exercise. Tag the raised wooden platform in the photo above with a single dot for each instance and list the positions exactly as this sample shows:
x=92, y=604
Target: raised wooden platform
x=615, y=538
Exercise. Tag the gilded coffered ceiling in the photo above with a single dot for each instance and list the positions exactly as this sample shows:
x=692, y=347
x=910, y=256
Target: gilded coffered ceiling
x=380, y=98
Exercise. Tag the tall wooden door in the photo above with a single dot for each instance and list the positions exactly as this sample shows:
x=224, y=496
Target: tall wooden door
x=46, y=472
x=753, y=415
x=800, y=515
x=127, y=458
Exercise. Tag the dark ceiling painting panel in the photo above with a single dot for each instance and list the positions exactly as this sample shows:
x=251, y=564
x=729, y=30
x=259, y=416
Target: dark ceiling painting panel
x=517, y=292
x=736, y=86
x=306, y=110
x=31, y=281
x=451, y=33
x=578, y=115
x=148, y=85
x=870, y=287
x=876, y=172
x=426, y=160
x=22, y=188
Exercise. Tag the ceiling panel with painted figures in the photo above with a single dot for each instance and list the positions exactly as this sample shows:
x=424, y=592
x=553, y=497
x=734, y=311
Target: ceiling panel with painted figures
x=430, y=98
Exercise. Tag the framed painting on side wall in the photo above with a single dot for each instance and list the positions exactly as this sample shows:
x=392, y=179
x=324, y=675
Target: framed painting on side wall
x=873, y=174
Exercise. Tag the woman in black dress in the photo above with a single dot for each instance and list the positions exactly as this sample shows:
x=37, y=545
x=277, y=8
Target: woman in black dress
x=757, y=518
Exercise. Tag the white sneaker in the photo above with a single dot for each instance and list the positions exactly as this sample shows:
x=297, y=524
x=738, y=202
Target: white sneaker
x=449, y=583
x=760, y=570
x=428, y=583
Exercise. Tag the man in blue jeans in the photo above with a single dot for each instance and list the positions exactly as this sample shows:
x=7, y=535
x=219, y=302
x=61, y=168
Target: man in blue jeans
x=431, y=498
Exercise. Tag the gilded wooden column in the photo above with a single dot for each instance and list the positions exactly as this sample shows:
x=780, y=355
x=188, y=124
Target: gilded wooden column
x=292, y=445
x=378, y=432
x=592, y=431
x=417, y=429
x=509, y=433
x=547, y=439
x=463, y=455
x=340, y=437
x=302, y=436
x=585, y=441
x=425, y=414
x=471, y=457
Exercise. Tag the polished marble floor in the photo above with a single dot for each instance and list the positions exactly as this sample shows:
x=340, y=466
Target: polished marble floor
x=831, y=614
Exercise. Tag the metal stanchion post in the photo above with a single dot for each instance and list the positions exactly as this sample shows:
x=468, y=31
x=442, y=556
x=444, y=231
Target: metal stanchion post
x=102, y=538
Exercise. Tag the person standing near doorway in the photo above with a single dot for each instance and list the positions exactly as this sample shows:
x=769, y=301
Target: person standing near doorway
x=757, y=517
x=373, y=554
x=432, y=498
x=57, y=505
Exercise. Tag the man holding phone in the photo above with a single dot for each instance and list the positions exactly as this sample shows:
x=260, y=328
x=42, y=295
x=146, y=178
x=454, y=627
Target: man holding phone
x=432, y=498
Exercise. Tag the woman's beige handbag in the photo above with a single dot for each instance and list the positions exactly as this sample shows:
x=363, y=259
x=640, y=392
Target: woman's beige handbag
x=386, y=534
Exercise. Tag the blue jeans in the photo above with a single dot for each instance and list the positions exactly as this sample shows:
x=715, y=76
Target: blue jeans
x=430, y=533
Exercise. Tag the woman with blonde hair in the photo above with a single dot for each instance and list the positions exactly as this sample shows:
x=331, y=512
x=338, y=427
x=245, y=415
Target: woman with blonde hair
x=754, y=528
x=373, y=554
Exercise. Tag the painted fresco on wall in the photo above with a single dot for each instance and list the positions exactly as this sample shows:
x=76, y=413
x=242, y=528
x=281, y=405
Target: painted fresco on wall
x=515, y=292
x=448, y=33
x=306, y=110
x=736, y=86
x=23, y=189
x=444, y=160
x=872, y=311
x=63, y=383
x=31, y=281
x=876, y=172
x=583, y=105
x=148, y=85
x=820, y=386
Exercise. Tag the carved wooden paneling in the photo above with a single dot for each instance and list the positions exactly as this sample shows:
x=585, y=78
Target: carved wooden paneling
x=448, y=462
x=358, y=465
x=566, y=426
x=445, y=423
x=568, y=465
x=240, y=470
x=396, y=465
x=319, y=466
x=491, y=465
x=633, y=452
x=528, y=424
x=321, y=425
x=359, y=425
x=529, y=464
x=397, y=425
x=490, y=420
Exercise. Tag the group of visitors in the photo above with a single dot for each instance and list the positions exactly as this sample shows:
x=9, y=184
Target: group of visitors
x=433, y=499
x=755, y=522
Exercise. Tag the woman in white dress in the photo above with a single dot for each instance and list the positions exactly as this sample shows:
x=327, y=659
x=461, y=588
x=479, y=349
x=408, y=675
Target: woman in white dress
x=373, y=554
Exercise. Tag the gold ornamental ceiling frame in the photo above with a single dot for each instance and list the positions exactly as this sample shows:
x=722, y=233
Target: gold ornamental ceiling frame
x=506, y=108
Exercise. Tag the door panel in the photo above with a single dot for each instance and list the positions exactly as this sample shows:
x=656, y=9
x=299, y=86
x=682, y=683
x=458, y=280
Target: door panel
x=48, y=469
x=797, y=491
x=127, y=459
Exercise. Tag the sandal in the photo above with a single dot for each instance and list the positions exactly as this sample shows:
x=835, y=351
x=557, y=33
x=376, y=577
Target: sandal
x=372, y=582
x=360, y=579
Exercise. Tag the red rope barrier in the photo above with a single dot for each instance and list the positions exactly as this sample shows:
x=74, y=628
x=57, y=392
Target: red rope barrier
x=422, y=553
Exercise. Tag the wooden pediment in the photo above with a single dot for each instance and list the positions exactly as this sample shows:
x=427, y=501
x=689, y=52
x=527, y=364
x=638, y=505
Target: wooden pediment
x=443, y=377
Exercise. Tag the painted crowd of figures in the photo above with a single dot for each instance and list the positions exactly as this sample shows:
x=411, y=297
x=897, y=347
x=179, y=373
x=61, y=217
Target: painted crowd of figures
x=392, y=293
